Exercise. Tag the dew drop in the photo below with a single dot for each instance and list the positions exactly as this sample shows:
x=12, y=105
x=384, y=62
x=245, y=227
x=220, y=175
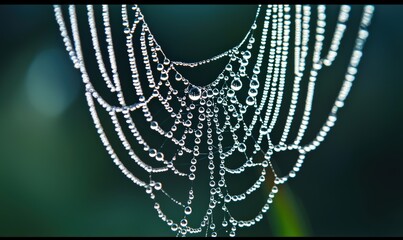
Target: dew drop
x=158, y=186
x=250, y=100
x=184, y=222
x=174, y=227
x=247, y=54
x=178, y=77
x=164, y=76
x=152, y=152
x=254, y=83
x=242, y=147
x=263, y=130
x=153, y=125
x=159, y=156
x=160, y=67
x=252, y=92
x=192, y=176
x=194, y=93
x=188, y=210
x=236, y=84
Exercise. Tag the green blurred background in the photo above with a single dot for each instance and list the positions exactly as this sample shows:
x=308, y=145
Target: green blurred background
x=56, y=178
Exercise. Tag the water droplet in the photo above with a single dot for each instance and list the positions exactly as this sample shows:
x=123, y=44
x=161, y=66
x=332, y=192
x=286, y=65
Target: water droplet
x=159, y=156
x=242, y=147
x=256, y=70
x=252, y=92
x=236, y=84
x=164, y=76
x=194, y=93
x=254, y=83
x=192, y=176
x=178, y=77
x=244, y=62
x=153, y=125
x=230, y=93
x=160, y=67
x=188, y=210
x=174, y=227
x=158, y=186
x=263, y=130
x=247, y=55
x=184, y=222
x=152, y=152
x=250, y=100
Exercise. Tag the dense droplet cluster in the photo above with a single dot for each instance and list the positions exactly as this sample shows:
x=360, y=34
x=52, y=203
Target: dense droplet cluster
x=208, y=112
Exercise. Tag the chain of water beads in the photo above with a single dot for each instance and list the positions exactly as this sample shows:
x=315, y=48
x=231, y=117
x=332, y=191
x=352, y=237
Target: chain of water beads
x=196, y=95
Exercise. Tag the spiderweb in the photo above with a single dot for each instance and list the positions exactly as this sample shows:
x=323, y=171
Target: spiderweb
x=194, y=145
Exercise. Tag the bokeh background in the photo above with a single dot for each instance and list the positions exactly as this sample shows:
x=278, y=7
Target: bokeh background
x=56, y=178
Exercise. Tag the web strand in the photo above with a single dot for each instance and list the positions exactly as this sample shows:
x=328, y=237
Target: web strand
x=220, y=130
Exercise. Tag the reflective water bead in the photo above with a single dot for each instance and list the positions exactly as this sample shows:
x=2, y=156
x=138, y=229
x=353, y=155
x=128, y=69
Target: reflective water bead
x=152, y=152
x=242, y=147
x=164, y=76
x=149, y=190
x=256, y=70
x=178, y=77
x=160, y=67
x=230, y=93
x=254, y=83
x=252, y=92
x=244, y=62
x=153, y=125
x=158, y=186
x=198, y=133
x=247, y=54
x=236, y=84
x=250, y=100
x=192, y=176
x=184, y=222
x=174, y=227
x=159, y=156
x=194, y=93
x=263, y=130
x=188, y=210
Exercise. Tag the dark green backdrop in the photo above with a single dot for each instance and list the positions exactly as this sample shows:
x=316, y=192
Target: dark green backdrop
x=56, y=179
